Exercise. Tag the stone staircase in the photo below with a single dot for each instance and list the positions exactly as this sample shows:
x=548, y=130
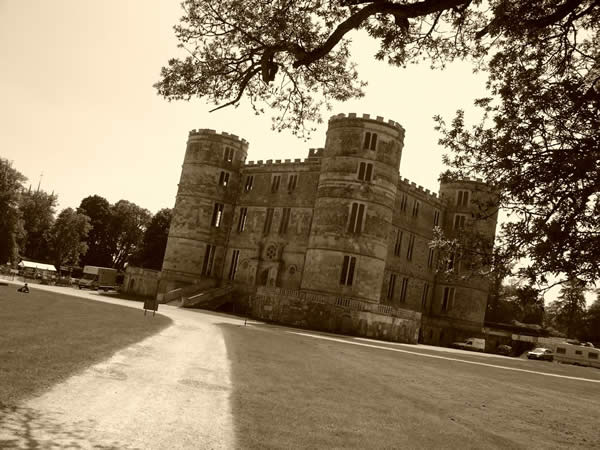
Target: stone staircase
x=207, y=298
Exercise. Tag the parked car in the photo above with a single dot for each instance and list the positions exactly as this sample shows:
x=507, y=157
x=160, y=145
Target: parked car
x=505, y=350
x=473, y=344
x=540, y=353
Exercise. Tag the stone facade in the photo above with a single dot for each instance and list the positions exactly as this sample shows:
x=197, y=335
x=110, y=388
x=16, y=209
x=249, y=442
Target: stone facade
x=340, y=223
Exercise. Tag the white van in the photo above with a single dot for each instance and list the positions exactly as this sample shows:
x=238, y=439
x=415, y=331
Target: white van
x=473, y=344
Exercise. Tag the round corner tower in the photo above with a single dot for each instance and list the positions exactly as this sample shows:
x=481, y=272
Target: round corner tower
x=471, y=215
x=347, y=247
x=208, y=188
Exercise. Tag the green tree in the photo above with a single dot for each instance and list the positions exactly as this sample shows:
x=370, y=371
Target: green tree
x=593, y=321
x=128, y=224
x=567, y=313
x=11, y=227
x=67, y=237
x=101, y=245
x=516, y=301
x=154, y=243
x=539, y=138
x=37, y=209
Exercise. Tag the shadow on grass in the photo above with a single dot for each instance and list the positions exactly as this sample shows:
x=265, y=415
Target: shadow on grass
x=22, y=427
x=45, y=337
x=295, y=392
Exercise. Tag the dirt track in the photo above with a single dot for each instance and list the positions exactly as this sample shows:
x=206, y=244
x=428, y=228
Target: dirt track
x=169, y=391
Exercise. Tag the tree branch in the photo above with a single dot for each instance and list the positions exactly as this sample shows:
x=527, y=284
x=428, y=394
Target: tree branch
x=243, y=85
x=399, y=11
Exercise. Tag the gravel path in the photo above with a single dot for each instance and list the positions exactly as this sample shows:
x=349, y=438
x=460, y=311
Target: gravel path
x=169, y=391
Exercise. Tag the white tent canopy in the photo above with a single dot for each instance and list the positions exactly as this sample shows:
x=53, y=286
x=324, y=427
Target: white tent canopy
x=35, y=265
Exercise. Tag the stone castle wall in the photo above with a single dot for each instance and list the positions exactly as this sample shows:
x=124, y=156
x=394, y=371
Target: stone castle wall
x=335, y=314
x=293, y=224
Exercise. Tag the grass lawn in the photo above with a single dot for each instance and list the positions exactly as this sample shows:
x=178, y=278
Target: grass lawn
x=46, y=337
x=291, y=391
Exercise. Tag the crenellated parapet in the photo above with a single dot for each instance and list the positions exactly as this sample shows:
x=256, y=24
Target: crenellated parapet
x=333, y=120
x=213, y=133
x=404, y=184
x=286, y=164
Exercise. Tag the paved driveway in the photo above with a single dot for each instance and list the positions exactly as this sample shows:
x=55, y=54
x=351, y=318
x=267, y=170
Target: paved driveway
x=168, y=391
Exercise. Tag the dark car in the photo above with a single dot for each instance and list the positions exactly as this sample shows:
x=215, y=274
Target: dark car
x=505, y=350
x=540, y=353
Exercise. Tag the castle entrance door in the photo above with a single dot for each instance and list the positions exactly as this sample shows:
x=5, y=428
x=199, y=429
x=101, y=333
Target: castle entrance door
x=263, y=277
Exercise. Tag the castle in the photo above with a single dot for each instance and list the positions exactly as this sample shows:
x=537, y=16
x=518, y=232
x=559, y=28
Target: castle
x=339, y=233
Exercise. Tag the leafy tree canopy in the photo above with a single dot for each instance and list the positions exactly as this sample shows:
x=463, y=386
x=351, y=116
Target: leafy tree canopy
x=11, y=227
x=152, y=249
x=567, y=313
x=129, y=222
x=539, y=138
x=67, y=237
x=37, y=209
x=100, y=244
x=593, y=320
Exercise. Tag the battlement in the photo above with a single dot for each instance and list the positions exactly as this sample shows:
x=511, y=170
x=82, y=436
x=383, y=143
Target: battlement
x=412, y=186
x=465, y=180
x=284, y=164
x=211, y=133
x=377, y=119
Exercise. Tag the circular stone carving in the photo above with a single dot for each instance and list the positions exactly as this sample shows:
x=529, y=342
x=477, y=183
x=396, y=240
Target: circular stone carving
x=292, y=270
x=271, y=252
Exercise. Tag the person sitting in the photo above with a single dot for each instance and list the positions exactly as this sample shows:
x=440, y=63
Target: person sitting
x=25, y=289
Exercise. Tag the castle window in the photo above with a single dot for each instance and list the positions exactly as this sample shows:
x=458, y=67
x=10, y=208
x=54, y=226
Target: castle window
x=370, y=141
x=459, y=221
x=365, y=171
x=391, y=286
x=209, y=258
x=357, y=214
x=347, y=275
x=292, y=181
x=249, y=183
x=448, y=299
x=436, y=218
x=462, y=198
x=398, y=245
x=285, y=220
x=228, y=154
x=242, y=221
x=430, y=258
x=451, y=262
x=404, y=290
x=424, y=297
x=416, y=205
x=217, y=215
x=403, y=202
x=411, y=245
x=224, y=179
x=275, y=181
x=235, y=256
x=268, y=221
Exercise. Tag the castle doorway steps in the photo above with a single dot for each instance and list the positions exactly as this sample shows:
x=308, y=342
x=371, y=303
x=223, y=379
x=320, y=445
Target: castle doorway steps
x=208, y=298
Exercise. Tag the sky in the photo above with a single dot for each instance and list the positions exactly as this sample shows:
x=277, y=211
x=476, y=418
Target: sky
x=79, y=115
